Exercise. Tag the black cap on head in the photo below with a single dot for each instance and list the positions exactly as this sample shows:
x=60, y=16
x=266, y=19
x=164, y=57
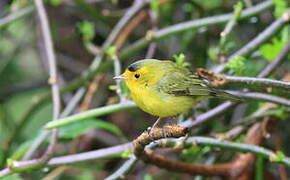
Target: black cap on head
x=134, y=67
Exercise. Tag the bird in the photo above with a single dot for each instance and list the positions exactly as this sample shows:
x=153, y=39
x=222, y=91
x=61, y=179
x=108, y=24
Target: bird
x=163, y=88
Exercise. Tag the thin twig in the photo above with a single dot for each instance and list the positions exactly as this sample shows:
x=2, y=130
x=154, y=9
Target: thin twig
x=90, y=113
x=115, y=150
x=169, y=142
x=44, y=25
x=259, y=39
x=16, y=15
x=44, y=133
x=85, y=105
x=193, y=122
x=258, y=81
x=276, y=62
x=190, y=25
x=37, y=103
x=97, y=154
x=141, y=16
x=117, y=72
x=124, y=169
x=5, y=172
x=153, y=45
x=229, y=27
x=136, y=7
x=261, y=96
x=216, y=80
x=45, y=31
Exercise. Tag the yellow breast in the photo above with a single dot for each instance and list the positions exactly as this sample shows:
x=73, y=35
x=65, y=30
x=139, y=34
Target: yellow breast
x=152, y=101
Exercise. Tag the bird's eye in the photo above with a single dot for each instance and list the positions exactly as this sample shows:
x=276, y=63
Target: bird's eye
x=137, y=75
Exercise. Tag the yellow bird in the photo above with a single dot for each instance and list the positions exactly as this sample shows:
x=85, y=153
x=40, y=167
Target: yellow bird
x=164, y=88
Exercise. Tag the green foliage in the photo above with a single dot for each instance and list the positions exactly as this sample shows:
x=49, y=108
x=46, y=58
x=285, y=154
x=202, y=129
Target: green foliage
x=270, y=50
x=180, y=59
x=278, y=157
x=237, y=64
x=126, y=154
x=76, y=129
x=112, y=51
x=281, y=112
x=238, y=9
x=240, y=139
x=154, y=5
x=281, y=6
x=20, y=64
x=87, y=30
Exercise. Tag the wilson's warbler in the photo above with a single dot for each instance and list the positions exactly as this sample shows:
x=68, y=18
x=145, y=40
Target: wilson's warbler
x=164, y=88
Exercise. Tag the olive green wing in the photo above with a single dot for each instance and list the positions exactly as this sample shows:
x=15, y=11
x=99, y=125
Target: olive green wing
x=185, y=84
x=181, y=84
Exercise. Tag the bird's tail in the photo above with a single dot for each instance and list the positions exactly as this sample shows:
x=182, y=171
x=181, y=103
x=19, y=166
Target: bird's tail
x=224, y=95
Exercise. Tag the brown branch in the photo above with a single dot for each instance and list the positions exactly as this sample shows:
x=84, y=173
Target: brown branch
x=44, y=25
x=141, y=16
x=237, y=169
x=194, y=169
x=90, y=93
x=157, y=133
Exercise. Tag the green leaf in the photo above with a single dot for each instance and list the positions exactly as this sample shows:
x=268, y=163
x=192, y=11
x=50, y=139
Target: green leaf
x=236, y=64
x=112, y=51
x=278, y=157
x=87, y=30
x=271, y=50
x=180, y=59
x=281, y=113
x=154, y=5
x=126, y=154
x=76, y=129
x=280, y=7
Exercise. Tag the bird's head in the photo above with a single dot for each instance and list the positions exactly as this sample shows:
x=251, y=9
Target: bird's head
x=142, y=73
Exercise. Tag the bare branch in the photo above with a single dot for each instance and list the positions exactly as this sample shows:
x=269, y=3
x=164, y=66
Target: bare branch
x=45, y=32
x=275, y=63
x=261, y=96
x=190, y=25
x=16, y=15
x=258, y=81
x=100, y=153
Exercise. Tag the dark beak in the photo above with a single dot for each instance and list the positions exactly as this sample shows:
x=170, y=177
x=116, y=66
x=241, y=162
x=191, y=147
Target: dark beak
x=121, y=77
